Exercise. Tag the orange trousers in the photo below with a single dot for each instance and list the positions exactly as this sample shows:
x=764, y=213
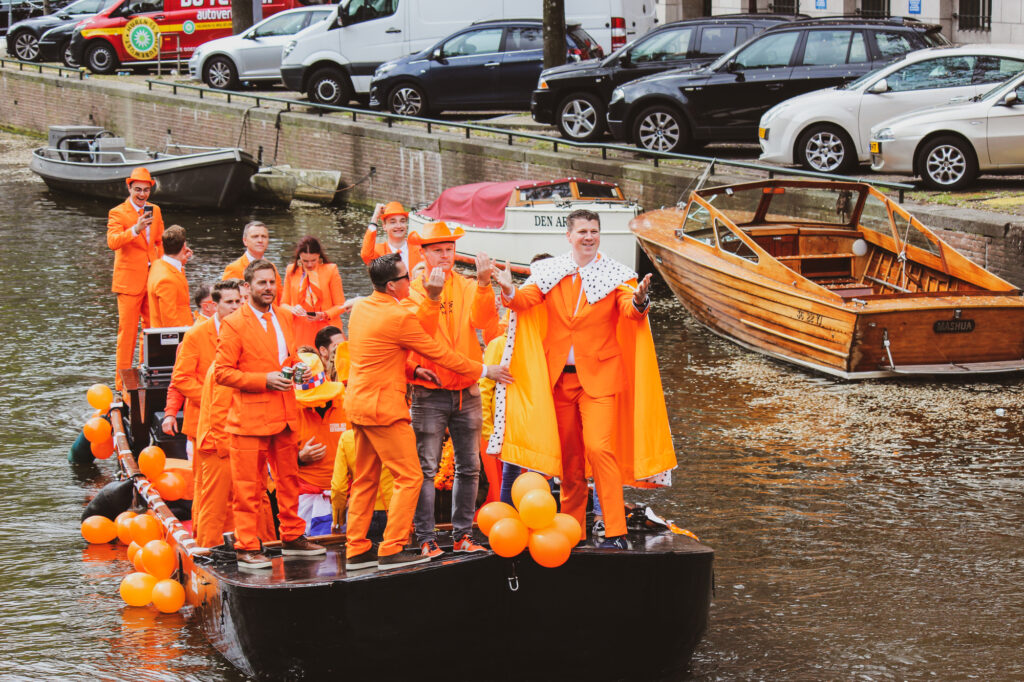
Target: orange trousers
x=249, y=456
x=130, y=308
x=212, y=513
x=492, y=470
x=393, y=445
x=586, y=430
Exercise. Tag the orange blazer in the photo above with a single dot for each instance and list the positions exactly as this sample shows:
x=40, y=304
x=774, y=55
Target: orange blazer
x=453, y=320
x=330, y=293
x=215, y=404
x=372, y=250
x=132, y=255
x=168, y=296
x=195, y=354
x=381, y=332
x=236, y=270
x=244, y=358
x=591, y=333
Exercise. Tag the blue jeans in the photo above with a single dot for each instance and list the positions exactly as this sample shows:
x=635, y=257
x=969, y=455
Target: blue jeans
x=509, y=473
x=433, y=411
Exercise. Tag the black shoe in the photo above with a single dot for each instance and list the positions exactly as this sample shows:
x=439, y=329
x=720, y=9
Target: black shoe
x=406, y=557
x=617, y=542
x=301, y=546
x=252, y=560
x=367, y=559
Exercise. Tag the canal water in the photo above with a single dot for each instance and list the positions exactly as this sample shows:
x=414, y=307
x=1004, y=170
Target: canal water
x=863, y=531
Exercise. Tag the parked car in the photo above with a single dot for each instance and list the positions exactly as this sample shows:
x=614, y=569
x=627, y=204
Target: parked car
x=253, y=54
x=23, y=37
x=55, y=43
x=828, y=130
x=13, y=11
x=949, y=146
x=573, y=96
x=489, y=65
x=725, y=100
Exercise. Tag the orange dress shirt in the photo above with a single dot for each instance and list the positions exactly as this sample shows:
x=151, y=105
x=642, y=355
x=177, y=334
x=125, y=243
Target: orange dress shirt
x=325, y=430
x=133, y=254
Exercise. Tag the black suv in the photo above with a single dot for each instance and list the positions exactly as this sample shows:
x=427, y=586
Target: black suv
x=574, y=96
x=724, y=101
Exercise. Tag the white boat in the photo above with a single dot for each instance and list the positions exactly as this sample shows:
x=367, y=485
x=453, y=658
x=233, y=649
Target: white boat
x=519, y=219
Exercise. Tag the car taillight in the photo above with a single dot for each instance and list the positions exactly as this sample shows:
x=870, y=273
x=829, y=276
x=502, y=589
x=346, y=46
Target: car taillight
x=618, y=32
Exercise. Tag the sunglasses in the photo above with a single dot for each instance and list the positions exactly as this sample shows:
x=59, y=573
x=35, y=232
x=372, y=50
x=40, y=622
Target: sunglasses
x=399, y=279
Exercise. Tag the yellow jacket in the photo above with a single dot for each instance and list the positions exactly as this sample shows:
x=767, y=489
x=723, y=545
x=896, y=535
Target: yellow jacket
x=344, y=462
x=492, y=356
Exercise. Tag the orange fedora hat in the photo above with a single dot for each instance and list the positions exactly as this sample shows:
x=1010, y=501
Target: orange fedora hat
x=436, y=233
x=393, y=208
x=140, y=174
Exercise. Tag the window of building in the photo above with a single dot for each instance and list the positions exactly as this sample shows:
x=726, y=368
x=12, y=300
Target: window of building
x=874, y=8
x=974, y=15
x=785, y=6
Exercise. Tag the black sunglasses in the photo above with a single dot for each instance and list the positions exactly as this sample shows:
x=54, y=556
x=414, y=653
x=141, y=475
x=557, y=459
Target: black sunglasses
x=397, y=279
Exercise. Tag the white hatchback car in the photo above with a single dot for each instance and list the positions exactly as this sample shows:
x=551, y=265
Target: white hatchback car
x=828, y=130
x=254, y=54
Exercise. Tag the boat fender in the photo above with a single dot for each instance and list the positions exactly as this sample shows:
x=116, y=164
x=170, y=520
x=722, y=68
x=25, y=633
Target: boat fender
x=111, y=500
x=80, y=452
x=182, y=509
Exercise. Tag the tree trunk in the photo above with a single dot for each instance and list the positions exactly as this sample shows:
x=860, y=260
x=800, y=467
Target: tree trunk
x=241, y=15
x=554, y=33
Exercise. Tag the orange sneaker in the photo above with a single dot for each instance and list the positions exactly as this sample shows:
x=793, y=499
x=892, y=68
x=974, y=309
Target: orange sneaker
x=466, y=544
x=430, y=549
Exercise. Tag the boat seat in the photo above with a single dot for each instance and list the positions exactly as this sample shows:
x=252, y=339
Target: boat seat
x=110, y=150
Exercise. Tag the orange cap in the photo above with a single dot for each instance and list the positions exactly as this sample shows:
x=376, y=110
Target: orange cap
x=392, y=208
x=140, y=174
x=436, y=233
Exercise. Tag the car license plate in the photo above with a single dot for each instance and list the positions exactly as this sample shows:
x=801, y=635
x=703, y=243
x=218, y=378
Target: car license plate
x=876, y=147
x=762, y=133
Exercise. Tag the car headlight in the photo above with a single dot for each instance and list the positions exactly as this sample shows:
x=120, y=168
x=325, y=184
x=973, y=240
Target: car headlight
x=289, y=48
x=383, y=70
x=617, y=94
x=542, y=84
x=884, y=134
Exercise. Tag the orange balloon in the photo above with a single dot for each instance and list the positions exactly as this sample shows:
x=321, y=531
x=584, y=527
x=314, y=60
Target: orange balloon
x=97, y=430
x=190, y=483
x=549, y=547
x=137, y=589
x=98, y=529
x=171, y=485
x=168, y=596
x=103, y=449
x=151, y=462
x=159, y=559
x=569, y=527
x=509, y=537
x=137, y=562
x=494, y=511
x=526, y=482
x=100, y=396
x=146, y=528
x=124, y=527
x=537, y=508
x=133, y=549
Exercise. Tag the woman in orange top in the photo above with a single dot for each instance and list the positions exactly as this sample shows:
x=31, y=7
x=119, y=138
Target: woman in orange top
x=312, y=291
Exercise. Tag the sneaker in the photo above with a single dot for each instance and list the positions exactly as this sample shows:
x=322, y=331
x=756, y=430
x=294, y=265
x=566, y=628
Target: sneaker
x=367, y=559
x=430, y=549
x=466, y=544
x=252, y=560
x=406, y=557
x=617, y=542
x=301, y=546
x=598, y=529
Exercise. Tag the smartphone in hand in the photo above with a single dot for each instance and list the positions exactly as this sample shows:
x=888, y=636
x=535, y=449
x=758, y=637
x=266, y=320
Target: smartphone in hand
x=311, y=315
x=147, y=210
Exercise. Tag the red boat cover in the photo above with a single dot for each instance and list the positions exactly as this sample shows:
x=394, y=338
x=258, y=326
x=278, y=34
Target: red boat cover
x=481, y=204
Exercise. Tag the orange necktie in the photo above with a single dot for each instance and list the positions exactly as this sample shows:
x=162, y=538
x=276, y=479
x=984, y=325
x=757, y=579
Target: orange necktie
x=575, y=289
x=271, y=334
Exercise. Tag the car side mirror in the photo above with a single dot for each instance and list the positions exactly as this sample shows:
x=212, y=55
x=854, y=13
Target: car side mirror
x=626, y=60
x=438, y=56
x=732, y=67
x=1010, y=99
x=879, y=87
x=251, y=35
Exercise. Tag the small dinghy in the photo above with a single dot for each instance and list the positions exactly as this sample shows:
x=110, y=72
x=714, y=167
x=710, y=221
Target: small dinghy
x=91, y=161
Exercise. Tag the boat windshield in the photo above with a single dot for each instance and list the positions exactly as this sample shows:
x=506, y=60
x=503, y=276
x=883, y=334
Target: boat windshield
x=786, y=204
x=590, y=190
x=558, y=190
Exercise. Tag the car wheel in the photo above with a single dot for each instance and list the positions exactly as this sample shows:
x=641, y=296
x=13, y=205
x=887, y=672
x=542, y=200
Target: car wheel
x=26, y=46
x=220, y=73
x=407, y=99
x=661, y=129
x=67, y=56
x=947, y=162
x=329, y=86
x=826, y=149
x=101, y=58
x=580, y=117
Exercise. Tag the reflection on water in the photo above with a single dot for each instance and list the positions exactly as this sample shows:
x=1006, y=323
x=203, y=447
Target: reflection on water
x=863, y=531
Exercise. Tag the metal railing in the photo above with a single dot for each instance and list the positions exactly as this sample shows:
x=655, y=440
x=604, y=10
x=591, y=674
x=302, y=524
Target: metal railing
x=79, y=73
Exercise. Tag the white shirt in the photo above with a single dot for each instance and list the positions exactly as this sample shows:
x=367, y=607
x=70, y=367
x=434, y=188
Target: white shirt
x=173, y=261
x=216, y=322
x=282, y=345
x=403, y=250
x=249, y=256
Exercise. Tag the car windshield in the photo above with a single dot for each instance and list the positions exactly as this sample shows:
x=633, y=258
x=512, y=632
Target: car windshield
x=854, y=84
x=994, y=92
x=717, y=64
x=87, y=6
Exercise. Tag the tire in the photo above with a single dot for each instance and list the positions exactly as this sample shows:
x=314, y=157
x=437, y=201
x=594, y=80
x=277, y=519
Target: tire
x=26, y=46
x=220, y=73
x=826, y=149
x=580, y=117
x=329, y=86
x=101, y=58
x=67, y=57
x=946, y=163
x=661, y=129
x=407, y=99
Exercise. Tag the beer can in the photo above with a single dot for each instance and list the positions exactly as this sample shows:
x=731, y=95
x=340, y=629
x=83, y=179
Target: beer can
x=301, y=370
x=286, y=372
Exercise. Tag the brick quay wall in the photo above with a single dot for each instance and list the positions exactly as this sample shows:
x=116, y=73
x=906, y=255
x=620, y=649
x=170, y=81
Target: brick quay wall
x=411, y=164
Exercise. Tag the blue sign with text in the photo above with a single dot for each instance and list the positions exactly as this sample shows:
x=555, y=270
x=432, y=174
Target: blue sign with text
x=820, y=4
x=913, y=6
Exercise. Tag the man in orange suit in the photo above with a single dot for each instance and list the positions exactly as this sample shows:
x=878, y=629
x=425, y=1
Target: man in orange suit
x=256, y=238
x=135, y=234
x=585, y=294
x=381, y=333
x=256, y=342
x=167, y=286
x=394, y=220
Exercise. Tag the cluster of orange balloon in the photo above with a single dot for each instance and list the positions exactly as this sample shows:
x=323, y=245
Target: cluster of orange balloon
x=153, y=558
x=97, y=429
x=533, y=522
x=172, y=484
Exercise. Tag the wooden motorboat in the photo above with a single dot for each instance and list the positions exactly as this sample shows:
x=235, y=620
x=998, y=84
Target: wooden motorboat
x=312, y=619
x=519, y=219
x=835, y=277
x=91, y=161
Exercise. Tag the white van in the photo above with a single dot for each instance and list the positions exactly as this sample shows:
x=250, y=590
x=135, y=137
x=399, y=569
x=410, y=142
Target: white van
x=335, y=59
